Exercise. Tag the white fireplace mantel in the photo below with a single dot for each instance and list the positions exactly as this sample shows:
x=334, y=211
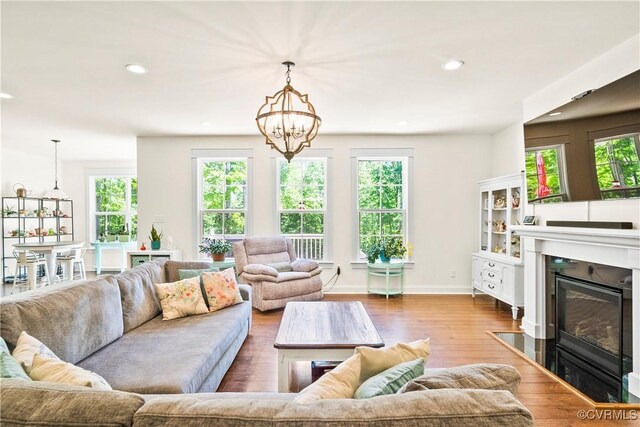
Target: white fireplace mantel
x=619, y=248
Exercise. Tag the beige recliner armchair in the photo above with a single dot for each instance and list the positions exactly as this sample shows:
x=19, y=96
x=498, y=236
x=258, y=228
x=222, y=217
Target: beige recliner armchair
x=270, y=266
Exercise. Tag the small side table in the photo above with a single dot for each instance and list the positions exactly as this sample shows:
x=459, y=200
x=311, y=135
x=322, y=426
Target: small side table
x=387, y=270
x=223, y=265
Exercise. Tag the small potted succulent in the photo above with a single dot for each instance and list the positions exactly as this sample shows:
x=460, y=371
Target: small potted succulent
x=217, y=248
x=123, y=234
x=9, y=211
x=155, y=238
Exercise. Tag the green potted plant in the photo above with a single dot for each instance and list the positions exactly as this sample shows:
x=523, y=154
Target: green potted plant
x=9, y=211
x=372, y=251
x=111, y=235
x=392, y=248
x=123, y=235
x=217, y=248
x=155, y=238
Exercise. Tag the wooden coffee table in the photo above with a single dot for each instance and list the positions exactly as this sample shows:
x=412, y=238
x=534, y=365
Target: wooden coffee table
x=322, y=330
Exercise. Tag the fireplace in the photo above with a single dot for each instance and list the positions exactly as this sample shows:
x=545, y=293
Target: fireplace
x=589, y=322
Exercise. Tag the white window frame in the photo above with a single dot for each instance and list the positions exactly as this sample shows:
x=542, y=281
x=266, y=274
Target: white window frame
x=405, y=155
x=324, y=211
x=92, y=213
x=199, y=157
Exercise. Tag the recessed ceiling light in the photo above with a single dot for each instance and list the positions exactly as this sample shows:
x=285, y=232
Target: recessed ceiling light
x=557, y=113
x=135, y=68
x=402, y=123
x=206, y=124
x=454, y=64
x=5, y=95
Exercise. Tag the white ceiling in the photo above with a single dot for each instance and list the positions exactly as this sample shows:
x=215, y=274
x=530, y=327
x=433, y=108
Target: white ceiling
x=365, y=65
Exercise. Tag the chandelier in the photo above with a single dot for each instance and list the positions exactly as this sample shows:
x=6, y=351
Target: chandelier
x=288, y=120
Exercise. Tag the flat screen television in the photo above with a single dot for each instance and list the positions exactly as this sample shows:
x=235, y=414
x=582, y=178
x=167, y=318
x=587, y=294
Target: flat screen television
x=587, y=149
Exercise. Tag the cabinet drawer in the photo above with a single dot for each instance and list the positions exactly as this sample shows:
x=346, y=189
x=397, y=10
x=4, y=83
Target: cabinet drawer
x=491, y=288
x=491, y=265
x=494, y=276
x=138, y=259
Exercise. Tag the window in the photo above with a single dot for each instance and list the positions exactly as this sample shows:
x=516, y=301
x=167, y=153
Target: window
x=545, y=174
x=222, y=200
x=382, y=200
x=618, y=166
x=114, y=200
x=302, y=204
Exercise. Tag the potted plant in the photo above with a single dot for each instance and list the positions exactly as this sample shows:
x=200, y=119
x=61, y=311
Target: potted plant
x=372, y=251
x=111, y=235
x=217, y=248
x=391, y=248
x=155, y=238
x=123, y=235
x=9, y=211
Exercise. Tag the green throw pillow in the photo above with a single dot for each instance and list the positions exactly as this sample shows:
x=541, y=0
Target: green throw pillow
x=391, y=380
x=3, y=345
x=10, y=368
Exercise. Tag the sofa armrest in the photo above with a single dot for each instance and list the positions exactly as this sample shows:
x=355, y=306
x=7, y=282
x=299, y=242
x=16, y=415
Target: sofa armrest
x=304, y=265
x=245, y=291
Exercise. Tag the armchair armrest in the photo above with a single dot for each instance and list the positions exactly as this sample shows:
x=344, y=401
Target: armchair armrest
x=304, y=265
x=245, y=291
x=260, y=269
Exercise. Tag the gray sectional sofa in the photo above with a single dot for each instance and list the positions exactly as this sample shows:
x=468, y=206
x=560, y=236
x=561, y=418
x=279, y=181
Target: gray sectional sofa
x=112, y=326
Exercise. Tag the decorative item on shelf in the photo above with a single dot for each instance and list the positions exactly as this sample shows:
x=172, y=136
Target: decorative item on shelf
x=215, y=247
x=51, y=232
x=63, y=230
x=23, y=212
x=288, y=120
x=101, y=237
x=57, y=213
x=124, y=235
x=392, y=248
x=9, y=211
x=155, y=238
x=499, y=226
x=143, y=247
x=41, y=213
x=499, y=203
x=55, y=192
x=515, y=202
x=515, y=254
x=31, y=233
x=21, y=192
x=17, y=233
x=111, y=236
x=499, y=250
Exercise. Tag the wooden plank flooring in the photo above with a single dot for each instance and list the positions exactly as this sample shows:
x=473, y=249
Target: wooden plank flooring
x=457, y=326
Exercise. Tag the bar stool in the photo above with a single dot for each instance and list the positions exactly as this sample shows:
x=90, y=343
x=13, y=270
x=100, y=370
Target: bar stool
x=30, y=261
x=69, y=260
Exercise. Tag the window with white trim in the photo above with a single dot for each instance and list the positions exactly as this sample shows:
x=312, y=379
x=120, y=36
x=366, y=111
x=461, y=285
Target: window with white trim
x=222, y=198
x=618, y=166
x=113, y=205
x=302, y=204
x=545, y=175
x=382, y=200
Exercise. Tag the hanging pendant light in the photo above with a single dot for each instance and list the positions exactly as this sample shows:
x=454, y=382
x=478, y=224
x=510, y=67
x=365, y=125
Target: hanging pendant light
x=55, y=192
x=288, y=120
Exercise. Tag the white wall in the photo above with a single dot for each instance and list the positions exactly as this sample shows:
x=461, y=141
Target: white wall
x=508, y=144
x=35, y=172
x=75, y=176
x=446, y=170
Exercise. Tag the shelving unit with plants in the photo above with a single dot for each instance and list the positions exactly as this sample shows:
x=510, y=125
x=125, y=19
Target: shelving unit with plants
x=497, y=265
x=33, y=219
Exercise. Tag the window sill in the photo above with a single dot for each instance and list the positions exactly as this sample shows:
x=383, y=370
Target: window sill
x=356, y=265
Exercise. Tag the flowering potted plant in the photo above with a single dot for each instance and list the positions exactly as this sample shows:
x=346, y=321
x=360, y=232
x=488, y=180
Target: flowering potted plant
x=217, y=248
x=392, y=248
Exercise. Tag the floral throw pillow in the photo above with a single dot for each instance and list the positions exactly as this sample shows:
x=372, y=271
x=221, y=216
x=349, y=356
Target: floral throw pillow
x=180, y=299
x=221, y=289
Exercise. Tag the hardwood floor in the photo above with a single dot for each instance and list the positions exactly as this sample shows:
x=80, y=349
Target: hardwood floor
x=457, y=326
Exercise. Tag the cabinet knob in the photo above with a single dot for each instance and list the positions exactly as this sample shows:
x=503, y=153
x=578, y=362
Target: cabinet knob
x=491, y=286
x=491, y=264
x=491, y=275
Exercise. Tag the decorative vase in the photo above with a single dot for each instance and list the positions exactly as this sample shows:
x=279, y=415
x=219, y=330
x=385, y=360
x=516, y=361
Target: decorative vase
x=155, y=245
x=217, y=257
x=111, y=237
x=383, y=257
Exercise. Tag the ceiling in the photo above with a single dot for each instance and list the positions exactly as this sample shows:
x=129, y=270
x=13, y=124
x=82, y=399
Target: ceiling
x=366, y=65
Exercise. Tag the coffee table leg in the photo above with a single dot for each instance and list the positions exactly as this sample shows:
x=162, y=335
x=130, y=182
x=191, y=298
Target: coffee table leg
x=283, y=373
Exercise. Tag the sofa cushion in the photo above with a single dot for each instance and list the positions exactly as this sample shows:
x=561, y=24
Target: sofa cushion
x=460, y=408
x=221, y=289
x=288, y=289
x=292, y=275
x=56, y=371
x=391, y=380
x=376, y=360
x=281, y=266
x=486, y=376
x=269, y=258
x=265, y=245
x=171, y=268
x=180, y=299
x=140, y=302
x=32, y=403
x=303, y=264
x=340, y=383
x=169, y=357
x=260, y=269
x=26, y=349
x=73, y=320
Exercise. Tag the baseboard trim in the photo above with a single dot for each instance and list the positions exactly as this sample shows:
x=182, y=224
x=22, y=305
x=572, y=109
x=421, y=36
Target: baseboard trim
x=410, y=290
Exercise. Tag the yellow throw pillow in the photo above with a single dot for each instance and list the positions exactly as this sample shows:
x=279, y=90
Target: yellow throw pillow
x=56, y=371
x=27, y=347
x=376, y=360
x=341, y=383
x=180, y=299
x=221, y=289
